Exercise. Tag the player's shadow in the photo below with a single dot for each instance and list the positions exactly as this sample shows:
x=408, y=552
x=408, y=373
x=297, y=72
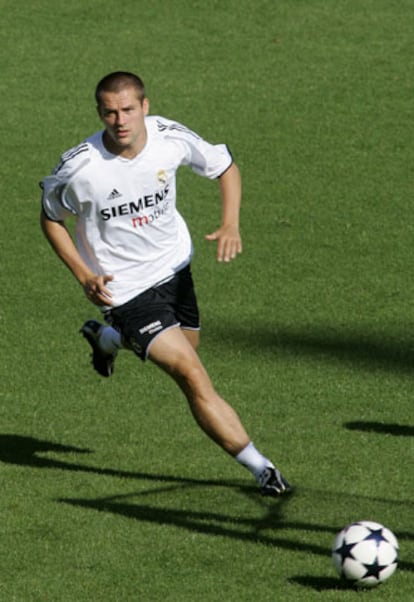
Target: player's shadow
x=27, y=451
x=263, y=530
x=399, y=430
x=23, y=450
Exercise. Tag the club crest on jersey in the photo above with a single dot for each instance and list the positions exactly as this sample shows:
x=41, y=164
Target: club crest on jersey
x=162, y=177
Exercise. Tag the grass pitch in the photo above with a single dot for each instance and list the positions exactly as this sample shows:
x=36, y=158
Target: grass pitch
x=110, y=492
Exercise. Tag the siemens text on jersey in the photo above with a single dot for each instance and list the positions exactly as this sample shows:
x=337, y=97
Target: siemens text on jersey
x=144, y=202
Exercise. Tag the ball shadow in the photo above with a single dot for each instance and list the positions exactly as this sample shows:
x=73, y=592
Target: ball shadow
x=320, y=584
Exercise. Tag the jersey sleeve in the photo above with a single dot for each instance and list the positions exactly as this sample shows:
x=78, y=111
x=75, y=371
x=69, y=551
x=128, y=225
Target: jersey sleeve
x=57, y=200
x=210, y=160
x=205, y=159
x=54, y=202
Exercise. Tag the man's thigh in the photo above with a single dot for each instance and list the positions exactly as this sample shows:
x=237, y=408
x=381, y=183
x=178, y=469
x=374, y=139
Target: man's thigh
x=172, y=350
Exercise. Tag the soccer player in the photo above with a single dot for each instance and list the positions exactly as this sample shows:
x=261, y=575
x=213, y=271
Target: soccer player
x=133, y=250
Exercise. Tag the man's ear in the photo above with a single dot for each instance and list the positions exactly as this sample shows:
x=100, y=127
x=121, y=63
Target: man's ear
x=145, y=105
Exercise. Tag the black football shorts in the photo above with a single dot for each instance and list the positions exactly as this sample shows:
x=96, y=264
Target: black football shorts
x=166, y=305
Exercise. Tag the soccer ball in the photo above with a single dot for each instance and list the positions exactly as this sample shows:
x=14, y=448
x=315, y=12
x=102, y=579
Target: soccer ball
x=365, y=553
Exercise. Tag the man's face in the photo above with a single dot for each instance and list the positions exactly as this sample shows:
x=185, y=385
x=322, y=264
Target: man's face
x=123, y=115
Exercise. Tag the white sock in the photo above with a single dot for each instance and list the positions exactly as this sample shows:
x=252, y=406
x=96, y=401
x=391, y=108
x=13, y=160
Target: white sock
x=253, y=460
x=110, y=340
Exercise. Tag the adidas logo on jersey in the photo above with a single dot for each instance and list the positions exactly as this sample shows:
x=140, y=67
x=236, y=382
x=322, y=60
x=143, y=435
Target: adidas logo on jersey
x=114, y=195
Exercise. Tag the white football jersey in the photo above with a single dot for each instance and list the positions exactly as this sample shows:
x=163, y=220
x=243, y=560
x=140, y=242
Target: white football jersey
x=127, y=223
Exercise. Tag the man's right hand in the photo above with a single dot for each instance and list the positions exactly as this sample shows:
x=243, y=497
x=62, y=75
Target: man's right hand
x=96, y=291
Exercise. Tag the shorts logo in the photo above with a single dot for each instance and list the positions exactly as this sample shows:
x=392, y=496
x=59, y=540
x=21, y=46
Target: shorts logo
x=151, y=328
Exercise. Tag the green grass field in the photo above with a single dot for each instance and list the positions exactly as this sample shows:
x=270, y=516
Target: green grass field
x=110, y=493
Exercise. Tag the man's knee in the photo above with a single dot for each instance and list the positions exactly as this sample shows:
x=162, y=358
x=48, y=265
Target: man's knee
x=192, y=377
x=192, y=372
